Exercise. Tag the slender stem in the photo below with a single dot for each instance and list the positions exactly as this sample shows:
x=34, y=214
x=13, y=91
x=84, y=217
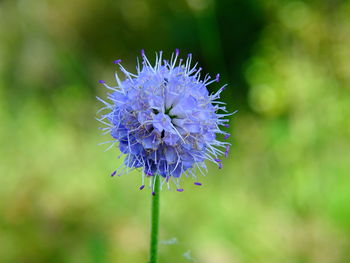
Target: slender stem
x=155, y=222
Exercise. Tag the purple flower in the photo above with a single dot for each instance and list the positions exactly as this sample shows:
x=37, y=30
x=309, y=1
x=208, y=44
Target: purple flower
x=165, y=120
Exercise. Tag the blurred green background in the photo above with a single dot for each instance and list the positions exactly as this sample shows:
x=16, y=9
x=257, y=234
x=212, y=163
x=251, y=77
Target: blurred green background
x=284, y=193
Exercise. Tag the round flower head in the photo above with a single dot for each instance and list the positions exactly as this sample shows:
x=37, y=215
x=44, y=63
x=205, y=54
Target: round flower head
x=165, y=120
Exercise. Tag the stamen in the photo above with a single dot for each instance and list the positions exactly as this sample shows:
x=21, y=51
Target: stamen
x=227, y=136
x=177, y=51
x=117, y=61
x=197, y=183
x=153, y=193
x=113, y=174
x=220, y=165
x=180, y=190
x=142, y=186
x=217, y=160
x=101, y=81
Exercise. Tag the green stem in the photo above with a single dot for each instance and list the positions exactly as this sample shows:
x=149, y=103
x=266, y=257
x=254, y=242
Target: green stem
x=155, y=222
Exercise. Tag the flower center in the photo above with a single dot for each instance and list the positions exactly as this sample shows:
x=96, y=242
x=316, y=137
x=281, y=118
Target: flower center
x=166, y=112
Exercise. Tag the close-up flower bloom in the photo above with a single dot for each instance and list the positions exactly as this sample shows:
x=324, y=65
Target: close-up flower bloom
x=165, y=120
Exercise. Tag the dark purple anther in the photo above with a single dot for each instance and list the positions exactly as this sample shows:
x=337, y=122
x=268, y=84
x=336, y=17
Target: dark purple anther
x=177, y=51
x=117, y=61
x=153, y=193
x=217, y=160
x=149, y=173
x=142, y=186
x=217, y=77
x=189, y=55
x=113, y=174
x=227, y=136
x=227, y=150
x=180, y=190
x=101, y=81
x=142, y=52
x=226, y=125
x=197, y=183
x=220, y=165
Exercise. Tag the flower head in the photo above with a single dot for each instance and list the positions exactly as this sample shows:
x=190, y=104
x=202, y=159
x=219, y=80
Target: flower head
x=165, y=120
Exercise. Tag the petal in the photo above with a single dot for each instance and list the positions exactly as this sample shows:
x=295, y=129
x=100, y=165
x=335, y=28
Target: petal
x=162, y=122
x=170, y=155
x=171, y=138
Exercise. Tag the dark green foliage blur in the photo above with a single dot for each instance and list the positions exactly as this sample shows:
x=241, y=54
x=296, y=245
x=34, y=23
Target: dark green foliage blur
x=284, y=192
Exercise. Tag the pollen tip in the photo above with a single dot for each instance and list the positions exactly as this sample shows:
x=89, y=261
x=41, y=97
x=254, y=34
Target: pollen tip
x=153, y=193
x=180, y=189
x=217, y=78
x=142, y=52
x=113, y=174
x=220, y=165
x=227, y=150
x=197, y=183
x=117, y=61
x=142, y=186
x=227, y=136
x=189, y=55
x=177, y=51
x=226, y=125
x=217, y=160
x=101, y=81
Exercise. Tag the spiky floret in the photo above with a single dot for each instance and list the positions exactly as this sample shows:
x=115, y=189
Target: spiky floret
x=165, y=120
